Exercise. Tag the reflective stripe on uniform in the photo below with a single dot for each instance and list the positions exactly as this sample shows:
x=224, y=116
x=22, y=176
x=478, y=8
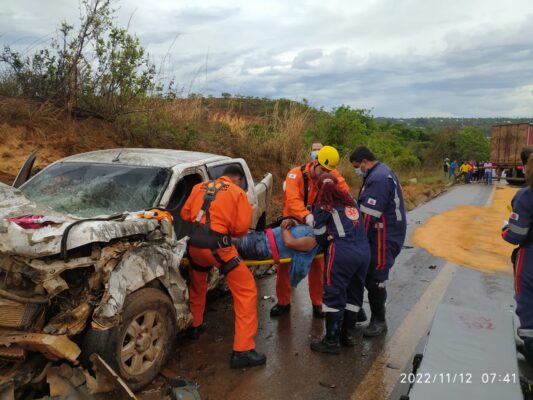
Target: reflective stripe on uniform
x=518, y=269
x=366, y=218
x=397, y=200
x=384, y=245
x=199, y=216
x=518, y=230
x=325, y=308
x=525, y=333
x=320, y=231
x=370, y=211
x=351, y=307
x=331, y=257
x=338, y=223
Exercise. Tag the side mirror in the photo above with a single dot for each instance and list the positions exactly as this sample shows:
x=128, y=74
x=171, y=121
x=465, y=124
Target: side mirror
x=25, y=172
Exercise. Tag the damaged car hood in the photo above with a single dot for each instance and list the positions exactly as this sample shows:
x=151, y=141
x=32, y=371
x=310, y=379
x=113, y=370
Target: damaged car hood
x=46, y=240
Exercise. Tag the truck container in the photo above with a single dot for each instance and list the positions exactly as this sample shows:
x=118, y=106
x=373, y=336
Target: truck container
x=507, y=141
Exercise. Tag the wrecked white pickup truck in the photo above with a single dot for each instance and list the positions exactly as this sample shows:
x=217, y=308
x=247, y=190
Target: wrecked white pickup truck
x=81, y=273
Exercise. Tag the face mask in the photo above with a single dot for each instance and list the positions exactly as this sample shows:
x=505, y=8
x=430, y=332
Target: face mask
x=314, y=154
x=359, y=172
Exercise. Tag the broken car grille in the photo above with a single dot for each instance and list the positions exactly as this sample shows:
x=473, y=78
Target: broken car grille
x=17, y=315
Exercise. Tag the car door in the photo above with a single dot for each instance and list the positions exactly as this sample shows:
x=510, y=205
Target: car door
x=25, y=172
x=179, y=189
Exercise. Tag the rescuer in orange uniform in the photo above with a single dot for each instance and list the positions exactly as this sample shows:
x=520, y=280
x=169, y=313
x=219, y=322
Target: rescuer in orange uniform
x=300, y=195
x=220, y=210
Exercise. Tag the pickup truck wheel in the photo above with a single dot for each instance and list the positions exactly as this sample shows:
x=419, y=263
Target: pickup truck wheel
x=140, y=346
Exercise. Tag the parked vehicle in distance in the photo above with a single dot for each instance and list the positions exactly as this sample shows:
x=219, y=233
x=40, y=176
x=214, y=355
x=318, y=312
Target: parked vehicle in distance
x=506, y=143
x=84, y=269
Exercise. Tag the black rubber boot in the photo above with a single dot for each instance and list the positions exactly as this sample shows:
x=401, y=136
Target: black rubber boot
x=330, y=344
x=348, y=325
x=194, y=332
x=250, y=358
x=376, y=298
x=361, y=317
x=317, y=312
x=279, y=309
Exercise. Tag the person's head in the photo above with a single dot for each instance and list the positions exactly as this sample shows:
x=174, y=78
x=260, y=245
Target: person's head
x=526, y=154
x=235, y=173
x=315, y=147
x=363, y=160
x=327, y=159
x=330, y=194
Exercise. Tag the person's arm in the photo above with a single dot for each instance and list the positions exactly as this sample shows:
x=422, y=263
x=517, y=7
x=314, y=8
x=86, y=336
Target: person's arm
x=374, y=199
x=294, y=201
x=320, y=230
x=520, y=220
x=306, y=243
x=186, y=210
x=242, y=215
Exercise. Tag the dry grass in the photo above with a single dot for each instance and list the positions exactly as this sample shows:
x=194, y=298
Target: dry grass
x=238, y=125
x=183, y=110
x=271, y=143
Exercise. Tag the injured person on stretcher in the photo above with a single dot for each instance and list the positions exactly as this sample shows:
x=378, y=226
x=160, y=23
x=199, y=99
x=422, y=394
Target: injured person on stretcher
x=289, y=240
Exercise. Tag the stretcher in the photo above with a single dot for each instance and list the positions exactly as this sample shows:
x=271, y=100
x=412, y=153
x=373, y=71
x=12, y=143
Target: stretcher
x=255, y=263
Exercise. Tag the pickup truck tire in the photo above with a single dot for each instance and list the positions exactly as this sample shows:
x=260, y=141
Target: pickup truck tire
x=139, y=347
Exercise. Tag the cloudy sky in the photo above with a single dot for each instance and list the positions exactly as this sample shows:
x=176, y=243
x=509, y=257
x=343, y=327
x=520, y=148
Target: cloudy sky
x=401, y=58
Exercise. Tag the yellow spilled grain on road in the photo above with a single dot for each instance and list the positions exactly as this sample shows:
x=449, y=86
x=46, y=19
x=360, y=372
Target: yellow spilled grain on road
x=471, y=236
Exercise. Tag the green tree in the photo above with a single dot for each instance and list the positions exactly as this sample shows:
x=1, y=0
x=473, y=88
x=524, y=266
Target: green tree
x=99, y=69
x=343, y=128
x=471, y=144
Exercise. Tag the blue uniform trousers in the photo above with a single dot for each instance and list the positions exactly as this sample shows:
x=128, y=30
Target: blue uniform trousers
x=345, y=270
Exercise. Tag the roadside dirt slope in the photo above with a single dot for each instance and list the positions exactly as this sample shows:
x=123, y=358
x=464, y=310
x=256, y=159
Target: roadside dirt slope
x=54, y=142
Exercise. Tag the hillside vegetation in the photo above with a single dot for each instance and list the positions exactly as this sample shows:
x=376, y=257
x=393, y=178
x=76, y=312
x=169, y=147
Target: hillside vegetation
x=436, y=124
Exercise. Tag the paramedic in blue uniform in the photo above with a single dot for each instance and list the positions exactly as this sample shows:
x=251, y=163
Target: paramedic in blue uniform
x=339, y=229
x=519, y=231
x=381, y=203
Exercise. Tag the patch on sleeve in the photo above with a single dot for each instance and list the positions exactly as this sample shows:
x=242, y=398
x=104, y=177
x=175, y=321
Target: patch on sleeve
x=352, y=213
x=371, y=201
x=292, y=176
x=514, y=216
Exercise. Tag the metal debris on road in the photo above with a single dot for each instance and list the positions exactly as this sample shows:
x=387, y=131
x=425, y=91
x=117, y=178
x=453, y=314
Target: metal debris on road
x=327, y=385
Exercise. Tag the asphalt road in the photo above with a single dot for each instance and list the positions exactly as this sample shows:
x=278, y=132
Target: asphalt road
x=370, y=370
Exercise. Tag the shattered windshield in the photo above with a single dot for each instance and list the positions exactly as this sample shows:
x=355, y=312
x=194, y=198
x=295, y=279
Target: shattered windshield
x=88, y=190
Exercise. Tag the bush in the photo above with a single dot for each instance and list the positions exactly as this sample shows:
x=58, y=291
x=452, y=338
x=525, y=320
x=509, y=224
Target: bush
x=99, y=70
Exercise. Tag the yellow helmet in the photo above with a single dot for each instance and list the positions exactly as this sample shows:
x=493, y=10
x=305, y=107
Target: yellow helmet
x=328, y=157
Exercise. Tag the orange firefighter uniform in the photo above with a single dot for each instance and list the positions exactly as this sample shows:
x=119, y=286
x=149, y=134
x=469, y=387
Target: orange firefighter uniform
x=300, y=195
x=229, y=215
